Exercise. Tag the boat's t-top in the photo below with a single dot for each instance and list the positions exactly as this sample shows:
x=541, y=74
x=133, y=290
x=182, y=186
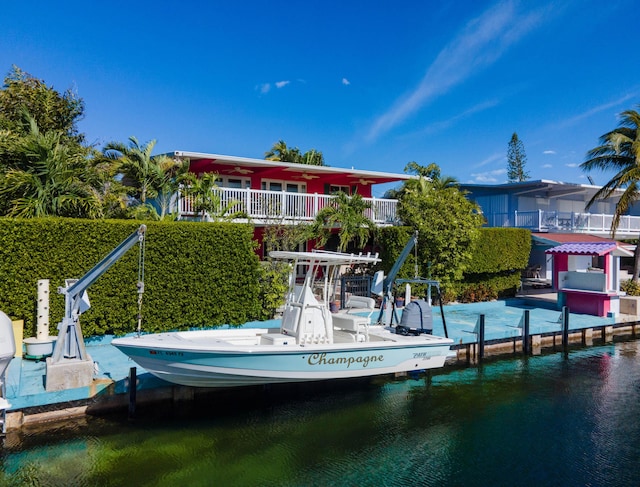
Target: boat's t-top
x=312, y=285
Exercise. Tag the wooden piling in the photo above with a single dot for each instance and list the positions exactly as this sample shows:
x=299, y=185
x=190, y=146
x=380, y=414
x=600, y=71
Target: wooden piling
x=526, y=341
x=481, y=338
x=133, y=380
x=565, y=328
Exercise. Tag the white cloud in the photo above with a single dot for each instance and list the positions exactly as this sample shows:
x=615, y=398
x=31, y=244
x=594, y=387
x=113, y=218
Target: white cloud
x=573, y=164
x=439, y=126
x=265, y=88
x=547, y=166
x=492, y=158
x=549, y=152
x=598, y=109
x=489, y=176
x=345, y=82
x=480, y=44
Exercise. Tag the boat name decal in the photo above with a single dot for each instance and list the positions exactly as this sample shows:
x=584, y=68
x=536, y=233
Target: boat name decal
x=321, y=359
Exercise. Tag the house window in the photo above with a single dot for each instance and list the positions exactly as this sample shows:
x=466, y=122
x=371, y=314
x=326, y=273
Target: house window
x=233, y=182
x=286, y=186
x=333, y=189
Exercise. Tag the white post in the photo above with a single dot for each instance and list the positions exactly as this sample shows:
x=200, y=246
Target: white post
x=42, y=329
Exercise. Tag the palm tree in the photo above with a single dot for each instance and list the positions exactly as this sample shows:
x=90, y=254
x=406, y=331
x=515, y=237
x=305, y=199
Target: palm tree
x=149, y=176
x=619, y=151
x=312, y=157
x=280, y=152
x=347, y=212
x=206, y=199
x=55, y=179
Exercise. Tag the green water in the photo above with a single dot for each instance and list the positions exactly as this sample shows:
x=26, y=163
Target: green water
x=543, y=421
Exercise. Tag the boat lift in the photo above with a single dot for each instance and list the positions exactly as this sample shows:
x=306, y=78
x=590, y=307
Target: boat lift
x=391, y=280
x=70, y=349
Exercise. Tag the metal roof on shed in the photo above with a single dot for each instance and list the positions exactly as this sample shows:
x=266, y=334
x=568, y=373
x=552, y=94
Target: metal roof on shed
x=589, y=248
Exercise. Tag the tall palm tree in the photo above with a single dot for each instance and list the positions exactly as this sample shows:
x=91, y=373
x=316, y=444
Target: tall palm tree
x=349, y=214
x=280, y=152
x=149, y=176
x=619, y=151
x=56, y=179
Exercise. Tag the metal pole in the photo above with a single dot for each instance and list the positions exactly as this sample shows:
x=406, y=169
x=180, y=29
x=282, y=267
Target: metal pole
x=444, y=321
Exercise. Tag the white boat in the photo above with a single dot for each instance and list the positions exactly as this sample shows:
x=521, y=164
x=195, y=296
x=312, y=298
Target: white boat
x=311, y=344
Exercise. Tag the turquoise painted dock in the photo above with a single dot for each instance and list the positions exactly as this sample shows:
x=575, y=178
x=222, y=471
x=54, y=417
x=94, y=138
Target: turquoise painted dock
x=25, y=385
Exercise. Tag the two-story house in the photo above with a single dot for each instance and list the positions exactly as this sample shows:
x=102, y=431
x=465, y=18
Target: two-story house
x=269, y=192
x=555, y=212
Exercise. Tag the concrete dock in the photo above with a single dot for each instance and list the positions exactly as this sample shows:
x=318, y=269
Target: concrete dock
x=31, y=403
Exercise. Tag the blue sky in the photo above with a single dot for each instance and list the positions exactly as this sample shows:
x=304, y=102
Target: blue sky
x=373, y=85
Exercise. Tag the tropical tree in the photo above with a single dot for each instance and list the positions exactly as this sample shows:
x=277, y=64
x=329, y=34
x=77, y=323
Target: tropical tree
x=280, y=152
x=447, y=222
x=206, y=200
x=52, y=179
x=50, y=109
x=348, y=213
x=147, y=176
x=516, y=160
x=619, y=151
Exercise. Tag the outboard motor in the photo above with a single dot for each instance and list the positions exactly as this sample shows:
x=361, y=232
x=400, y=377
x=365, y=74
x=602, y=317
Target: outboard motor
x=416, y=319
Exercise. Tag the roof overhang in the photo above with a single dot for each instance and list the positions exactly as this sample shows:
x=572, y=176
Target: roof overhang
x=590, y=248
x=244, y=166
x=541, y=188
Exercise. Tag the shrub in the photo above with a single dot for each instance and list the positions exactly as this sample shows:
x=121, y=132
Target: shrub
x=630, y=287
x=196, y=274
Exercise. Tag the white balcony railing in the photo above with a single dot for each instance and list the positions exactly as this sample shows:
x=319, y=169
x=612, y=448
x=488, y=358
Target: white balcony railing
x=559, y=221
x=278, y=206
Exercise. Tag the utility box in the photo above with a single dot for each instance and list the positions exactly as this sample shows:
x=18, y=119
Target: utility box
x=629, y=305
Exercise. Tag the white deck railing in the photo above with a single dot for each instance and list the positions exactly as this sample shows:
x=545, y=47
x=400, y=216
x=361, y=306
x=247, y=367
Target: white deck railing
x=559, y=221
x=279, y=206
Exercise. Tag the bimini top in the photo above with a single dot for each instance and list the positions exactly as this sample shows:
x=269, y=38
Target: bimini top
x=325, y=257
x=590, y=248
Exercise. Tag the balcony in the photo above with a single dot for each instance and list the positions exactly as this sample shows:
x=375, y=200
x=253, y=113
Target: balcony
x=277, y=207
x=567, y=222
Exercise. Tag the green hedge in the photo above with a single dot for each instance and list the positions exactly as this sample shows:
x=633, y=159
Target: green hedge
x=196, y=274
x=499, y=256
x=500, y=249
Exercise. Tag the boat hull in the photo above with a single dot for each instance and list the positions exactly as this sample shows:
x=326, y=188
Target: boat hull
x=229, y=365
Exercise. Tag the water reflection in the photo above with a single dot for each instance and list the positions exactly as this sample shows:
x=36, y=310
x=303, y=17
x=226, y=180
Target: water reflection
x=546, y=420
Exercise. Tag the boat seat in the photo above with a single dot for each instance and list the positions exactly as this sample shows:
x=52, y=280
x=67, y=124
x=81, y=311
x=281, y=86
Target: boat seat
x=355, y=323
x=360, y=304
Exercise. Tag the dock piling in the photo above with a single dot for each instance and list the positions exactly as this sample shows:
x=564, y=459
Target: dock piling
x=565, y=328
x=526, y=341
x=481, y=338
x=133, y=380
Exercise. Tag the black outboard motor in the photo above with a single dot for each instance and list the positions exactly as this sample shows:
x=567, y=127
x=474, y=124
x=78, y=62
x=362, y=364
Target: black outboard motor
x=416, y=319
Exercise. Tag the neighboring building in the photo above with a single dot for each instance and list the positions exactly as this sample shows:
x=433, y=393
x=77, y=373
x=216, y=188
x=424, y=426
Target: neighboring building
x=556, y=214
x=274, y=192
x=550, y=206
